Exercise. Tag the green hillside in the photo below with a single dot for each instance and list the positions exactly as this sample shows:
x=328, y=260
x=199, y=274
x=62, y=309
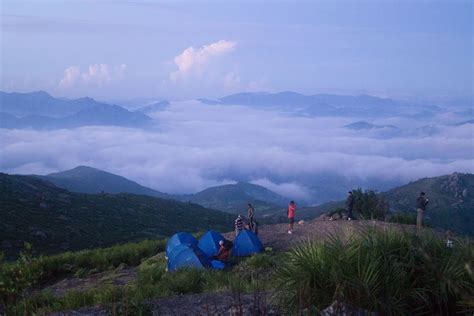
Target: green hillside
x=54, y=219
x=84, y=179
x=451, y=200
x=230, y=198
x=233, y=198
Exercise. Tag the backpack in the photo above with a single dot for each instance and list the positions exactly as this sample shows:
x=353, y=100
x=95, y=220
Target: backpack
x=228, y=244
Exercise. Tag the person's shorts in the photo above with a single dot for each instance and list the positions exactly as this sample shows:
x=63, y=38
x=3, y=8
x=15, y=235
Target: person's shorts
x=291, y=220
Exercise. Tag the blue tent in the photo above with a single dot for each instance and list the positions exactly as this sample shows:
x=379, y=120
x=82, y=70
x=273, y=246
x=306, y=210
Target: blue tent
x=180, y=239
x=182, y=256
x=246, y=243
x=209, y=243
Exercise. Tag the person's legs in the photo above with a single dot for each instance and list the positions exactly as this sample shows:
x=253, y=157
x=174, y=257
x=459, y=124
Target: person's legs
x=349, y=214
x=291, y=221
x=419, y=218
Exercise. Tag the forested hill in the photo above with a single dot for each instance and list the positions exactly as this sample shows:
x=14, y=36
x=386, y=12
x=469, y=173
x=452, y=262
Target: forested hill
x=84, y=179
x=54, y=220
x=451, y=202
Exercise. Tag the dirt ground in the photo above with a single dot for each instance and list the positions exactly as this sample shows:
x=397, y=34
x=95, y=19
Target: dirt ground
x=118, y=277
x=215, y=304
x=224, y=303
x=272, y=236
x=276, y=236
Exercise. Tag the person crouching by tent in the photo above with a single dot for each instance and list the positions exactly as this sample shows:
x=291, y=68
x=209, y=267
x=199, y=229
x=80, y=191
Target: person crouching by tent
x=291, y=216
x=239, y=225
x=225, y=247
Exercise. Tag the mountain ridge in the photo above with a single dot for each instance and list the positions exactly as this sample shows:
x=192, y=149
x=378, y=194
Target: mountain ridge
x=231, y=198
x=42, y=111
x=326, y=104
x=85, y=179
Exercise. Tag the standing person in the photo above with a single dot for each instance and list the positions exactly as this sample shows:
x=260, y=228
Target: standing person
x=250, y=213
x=239, y=225
x=349, y=205
x=291, y=216
x=421, y=203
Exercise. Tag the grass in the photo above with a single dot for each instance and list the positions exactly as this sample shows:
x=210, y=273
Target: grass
x=152, y=280
x=389, y=272
x=386, y=271
x=407, y=218
x=28, y=272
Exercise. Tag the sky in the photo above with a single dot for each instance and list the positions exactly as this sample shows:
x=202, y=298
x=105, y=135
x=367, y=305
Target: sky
x=181, y=50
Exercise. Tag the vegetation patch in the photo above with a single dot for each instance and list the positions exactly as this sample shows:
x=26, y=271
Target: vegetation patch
x=28, y=272
x=389, y=272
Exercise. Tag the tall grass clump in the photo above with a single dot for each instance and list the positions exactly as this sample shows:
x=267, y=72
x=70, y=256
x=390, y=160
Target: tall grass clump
x=386, y=271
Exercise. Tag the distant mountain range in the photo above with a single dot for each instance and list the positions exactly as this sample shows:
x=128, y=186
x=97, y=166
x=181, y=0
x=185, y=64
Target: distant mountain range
x=135, y=104
x=451, y=203
x=42, y=111
x=54, y=220
x=361, y=125
x=154, y=107
x=327, y=104
x=465, y=122
x=230, y=198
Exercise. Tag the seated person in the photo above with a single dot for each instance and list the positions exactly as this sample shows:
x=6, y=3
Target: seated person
x=224, y=250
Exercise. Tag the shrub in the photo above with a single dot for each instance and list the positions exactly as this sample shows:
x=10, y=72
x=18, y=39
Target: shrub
x=23, y=274
x=370, y=205
x=390, y=272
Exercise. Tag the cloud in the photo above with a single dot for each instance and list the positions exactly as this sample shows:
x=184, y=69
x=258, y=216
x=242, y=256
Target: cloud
x=192, y=59
x=96, y=74
x=72, y=75
x=231, y=81
x=195, y=146
x=292, y=190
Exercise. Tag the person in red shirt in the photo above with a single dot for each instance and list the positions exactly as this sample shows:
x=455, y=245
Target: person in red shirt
x=224, y=250
x=291, y=216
